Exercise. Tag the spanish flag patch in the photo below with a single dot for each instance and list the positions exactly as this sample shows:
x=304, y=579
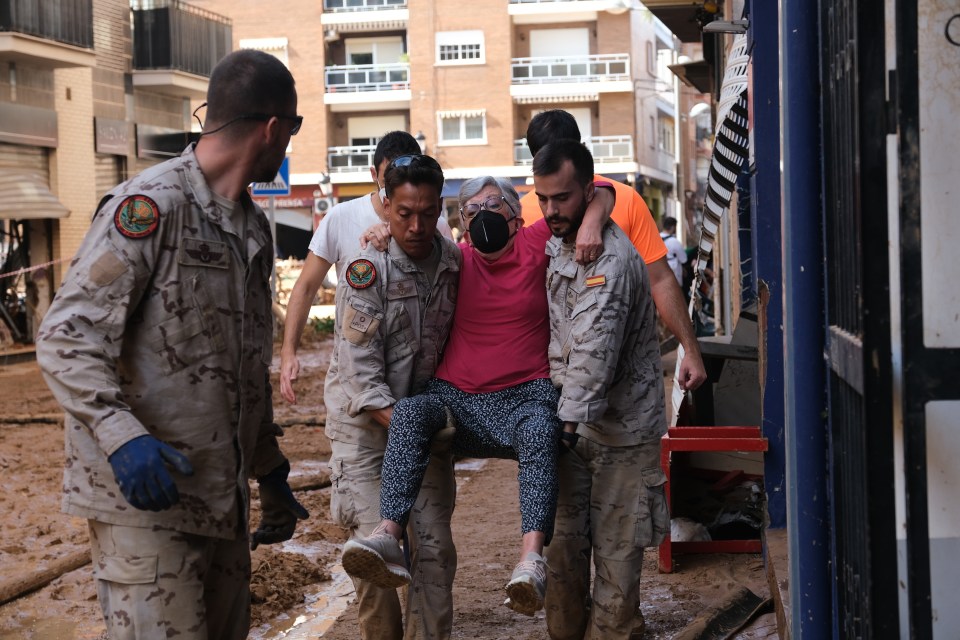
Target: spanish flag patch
x=596, y=281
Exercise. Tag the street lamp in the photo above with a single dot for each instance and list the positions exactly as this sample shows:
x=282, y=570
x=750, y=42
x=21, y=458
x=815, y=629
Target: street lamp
x=422, y=141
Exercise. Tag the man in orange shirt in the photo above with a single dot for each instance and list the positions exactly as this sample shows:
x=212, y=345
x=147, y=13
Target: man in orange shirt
x=633, y=217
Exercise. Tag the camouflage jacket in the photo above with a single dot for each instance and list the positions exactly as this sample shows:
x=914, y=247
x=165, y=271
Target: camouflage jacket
x=388, y=338
x=604, y=349
x=161, y=328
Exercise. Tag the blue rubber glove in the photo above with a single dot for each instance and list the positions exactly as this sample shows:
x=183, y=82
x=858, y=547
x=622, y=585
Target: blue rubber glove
x=279, y=509
x=140, y=467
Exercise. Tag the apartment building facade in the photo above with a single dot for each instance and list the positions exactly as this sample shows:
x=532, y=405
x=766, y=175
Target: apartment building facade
x=465, y=80
x=91, y=92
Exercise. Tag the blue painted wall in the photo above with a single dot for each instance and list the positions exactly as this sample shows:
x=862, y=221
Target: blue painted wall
x=766, y=244
x=803, y=307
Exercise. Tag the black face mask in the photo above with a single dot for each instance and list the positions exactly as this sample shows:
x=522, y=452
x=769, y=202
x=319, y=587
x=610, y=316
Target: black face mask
x=489, y=231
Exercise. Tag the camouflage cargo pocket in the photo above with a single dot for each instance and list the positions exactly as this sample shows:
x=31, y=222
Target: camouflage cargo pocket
x=653, y=521
x=191, y=334
x=126, y=570
x=342, y=510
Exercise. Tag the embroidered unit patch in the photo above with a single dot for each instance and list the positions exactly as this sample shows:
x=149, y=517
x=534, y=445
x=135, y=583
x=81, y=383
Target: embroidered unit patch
x=137, y=216
x=361, y=274
x=596, y=281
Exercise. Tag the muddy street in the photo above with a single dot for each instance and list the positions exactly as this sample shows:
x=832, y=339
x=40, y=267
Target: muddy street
x=298, y=589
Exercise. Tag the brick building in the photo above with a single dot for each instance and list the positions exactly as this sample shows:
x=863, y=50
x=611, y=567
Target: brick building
x=91, y=92
x=465, y=80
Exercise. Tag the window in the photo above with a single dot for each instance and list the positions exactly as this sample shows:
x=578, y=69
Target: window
x=664, y=60
x=665, y=138
x=366, y=51
x=460, y=47
x=462, y=127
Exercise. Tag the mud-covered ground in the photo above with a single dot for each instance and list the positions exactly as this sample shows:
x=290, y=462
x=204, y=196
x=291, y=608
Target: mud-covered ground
x=37, y=541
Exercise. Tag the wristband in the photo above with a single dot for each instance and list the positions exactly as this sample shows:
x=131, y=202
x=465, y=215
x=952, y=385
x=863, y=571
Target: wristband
x=603, y=183
x=570, y=438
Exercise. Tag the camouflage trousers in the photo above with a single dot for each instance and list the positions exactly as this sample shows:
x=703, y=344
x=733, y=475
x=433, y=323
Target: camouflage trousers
x=355, y=504
x=159, y=583
x=612, y=504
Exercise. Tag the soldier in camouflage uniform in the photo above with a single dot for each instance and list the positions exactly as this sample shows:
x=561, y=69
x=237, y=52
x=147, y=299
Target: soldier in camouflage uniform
x=158, y=346
x=394, y=311
x=605, y=360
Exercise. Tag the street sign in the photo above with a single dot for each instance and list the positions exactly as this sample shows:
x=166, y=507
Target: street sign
x=280, y=185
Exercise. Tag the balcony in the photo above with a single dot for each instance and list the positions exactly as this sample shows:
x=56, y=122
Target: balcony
x=176, y=45
x=363, y=5
x=680, y=17
x=363, y=15
x=540, y=11
x=350, y=159
x=569, y=78
x=605, y=150
x=367, y=87
x=49, y=33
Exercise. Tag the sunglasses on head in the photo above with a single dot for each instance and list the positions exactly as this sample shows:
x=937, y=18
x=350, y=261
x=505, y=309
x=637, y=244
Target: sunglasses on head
x=413, y=159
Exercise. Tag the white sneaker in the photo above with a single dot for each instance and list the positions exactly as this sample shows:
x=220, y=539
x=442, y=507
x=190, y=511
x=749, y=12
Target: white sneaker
x=527, y=585
x=376, y=558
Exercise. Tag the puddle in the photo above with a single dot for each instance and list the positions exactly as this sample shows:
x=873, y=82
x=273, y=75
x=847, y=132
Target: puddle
x=308, y=468
x=470, y=464
x=315, y=617
x=50, y=628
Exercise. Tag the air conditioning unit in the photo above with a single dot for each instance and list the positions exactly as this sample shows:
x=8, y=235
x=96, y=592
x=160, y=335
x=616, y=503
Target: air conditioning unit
x=322, y=205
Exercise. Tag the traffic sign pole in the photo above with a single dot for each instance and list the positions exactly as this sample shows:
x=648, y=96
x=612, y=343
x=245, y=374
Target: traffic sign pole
x=273, y=238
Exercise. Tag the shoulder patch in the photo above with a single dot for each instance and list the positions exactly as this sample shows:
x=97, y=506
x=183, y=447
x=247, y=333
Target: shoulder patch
x=596, y=281
x=361, y=274
x=137, y=216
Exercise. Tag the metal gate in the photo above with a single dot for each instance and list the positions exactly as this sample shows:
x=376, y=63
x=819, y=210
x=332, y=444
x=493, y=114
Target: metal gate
x=929, y=363
x=858, y=319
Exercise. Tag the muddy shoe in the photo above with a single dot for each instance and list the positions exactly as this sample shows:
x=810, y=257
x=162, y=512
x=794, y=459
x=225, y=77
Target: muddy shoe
x=528, y=585
x=377, y=559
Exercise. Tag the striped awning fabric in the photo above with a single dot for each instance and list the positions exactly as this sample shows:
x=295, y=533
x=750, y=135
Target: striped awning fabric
x=24, y=195
x=730, y=150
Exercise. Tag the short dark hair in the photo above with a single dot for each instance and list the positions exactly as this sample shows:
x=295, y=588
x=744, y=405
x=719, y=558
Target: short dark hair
x=551, y=157
x=669, y=222
x=419, y=170
x=547, y=126
x=248, y=81
x=393, y=145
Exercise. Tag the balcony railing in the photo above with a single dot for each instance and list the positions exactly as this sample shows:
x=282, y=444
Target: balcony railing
x=169, y=34
x=592, y=68
x=66, y=21
x=347, y=159
x=358, y=78
x=362, y=5
x=603, y=148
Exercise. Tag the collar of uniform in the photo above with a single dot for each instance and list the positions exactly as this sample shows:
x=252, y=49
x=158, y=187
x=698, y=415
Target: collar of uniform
x=407, y=265
x=449, y=254
x=554, y=246
x=258, y=230
x=563, y=255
